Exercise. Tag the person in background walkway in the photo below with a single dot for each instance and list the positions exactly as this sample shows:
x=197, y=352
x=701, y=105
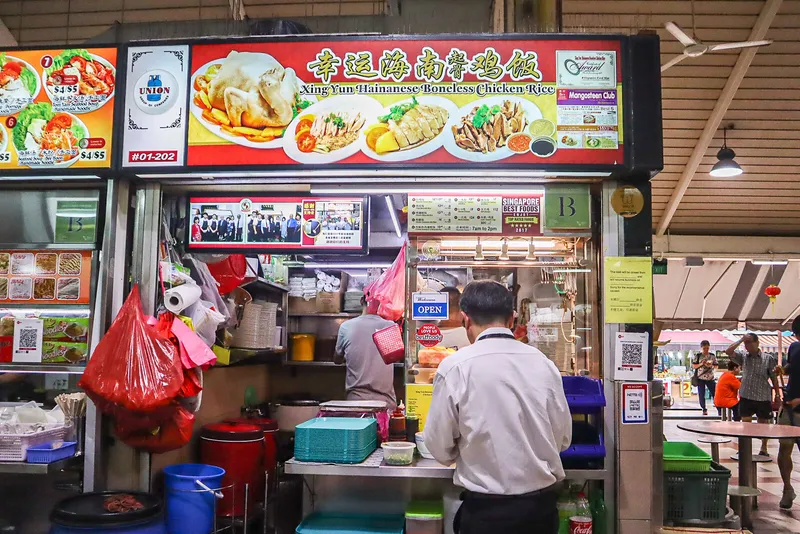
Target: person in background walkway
x=499, y=412
x=758, y=370
x=704, y=364
x=790, y=415
x=368, y=377
x=727, y=395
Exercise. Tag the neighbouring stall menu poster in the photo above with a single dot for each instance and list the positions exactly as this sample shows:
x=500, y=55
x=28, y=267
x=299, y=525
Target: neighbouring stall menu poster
x=491, y=215
x=278, y=223
x=45, y=276
x=57, y=108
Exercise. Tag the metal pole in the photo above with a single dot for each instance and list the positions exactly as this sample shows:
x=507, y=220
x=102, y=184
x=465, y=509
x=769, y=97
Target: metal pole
x=144, y=271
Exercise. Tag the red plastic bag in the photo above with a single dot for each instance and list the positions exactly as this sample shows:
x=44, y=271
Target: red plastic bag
x=230, y=273
x=389, y=291
x=168, y=436
x=134, y=367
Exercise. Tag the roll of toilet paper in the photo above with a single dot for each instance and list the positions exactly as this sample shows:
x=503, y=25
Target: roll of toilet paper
x=181, y=297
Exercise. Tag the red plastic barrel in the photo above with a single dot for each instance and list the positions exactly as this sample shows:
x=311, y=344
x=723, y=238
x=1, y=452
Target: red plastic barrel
x=239, y=450
x=270, y=428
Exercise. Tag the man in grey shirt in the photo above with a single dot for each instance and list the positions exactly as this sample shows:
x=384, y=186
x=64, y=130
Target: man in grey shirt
x=756, y=394
x=368, y=377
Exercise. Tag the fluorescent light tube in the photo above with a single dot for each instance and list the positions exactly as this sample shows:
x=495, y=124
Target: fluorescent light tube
x=395, y=222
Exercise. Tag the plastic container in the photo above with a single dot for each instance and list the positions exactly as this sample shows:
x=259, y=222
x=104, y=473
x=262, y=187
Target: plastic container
x=239, y=450
x=14, y=447
x=681, y=456
x=190, y=506
x=424, y=517
x=419, y=438
x=695, y=496
x=322, y=523
x=584, y=394
x=303, y=347
x=47, y=454
x=85, y=514
x=398, y=452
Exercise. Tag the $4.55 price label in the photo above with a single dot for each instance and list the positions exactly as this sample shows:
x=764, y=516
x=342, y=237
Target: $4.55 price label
x=5, y=157
x=98, y=154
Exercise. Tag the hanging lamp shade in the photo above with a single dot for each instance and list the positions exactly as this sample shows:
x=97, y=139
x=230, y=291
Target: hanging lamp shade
x=726, y=167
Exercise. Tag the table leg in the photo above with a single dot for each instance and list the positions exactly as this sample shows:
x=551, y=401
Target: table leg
x=745, y=478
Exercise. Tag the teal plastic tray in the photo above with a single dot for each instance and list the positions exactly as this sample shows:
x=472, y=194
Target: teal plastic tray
x=332, y=433
x=322, y=523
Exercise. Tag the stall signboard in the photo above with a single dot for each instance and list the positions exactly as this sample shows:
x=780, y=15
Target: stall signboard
x=278, y=224
x=57, y=108
x=155, y=106
x=445, y=102
x=510, y=215
x=567, y=207
x=45, y=277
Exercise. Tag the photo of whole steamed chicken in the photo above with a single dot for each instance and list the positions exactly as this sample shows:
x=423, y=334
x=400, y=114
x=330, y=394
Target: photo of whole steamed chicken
x=409, y=129
x=480, y=131
x=330, y=130
x=247, y=98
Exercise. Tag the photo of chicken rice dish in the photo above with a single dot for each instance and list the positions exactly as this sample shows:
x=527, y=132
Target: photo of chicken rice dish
x=328, y=132
x=249, y=95
x=406, y=126
x=488, y=128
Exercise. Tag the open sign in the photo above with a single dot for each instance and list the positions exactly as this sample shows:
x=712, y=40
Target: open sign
x=430, y=306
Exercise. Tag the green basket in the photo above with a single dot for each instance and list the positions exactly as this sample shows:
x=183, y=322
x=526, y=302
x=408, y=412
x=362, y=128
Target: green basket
x=696, y=496
x=685, y=457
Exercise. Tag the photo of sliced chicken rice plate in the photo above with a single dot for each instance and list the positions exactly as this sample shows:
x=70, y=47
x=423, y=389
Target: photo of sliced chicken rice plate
x=488, y=128
x=406, y=126
x=332, y=131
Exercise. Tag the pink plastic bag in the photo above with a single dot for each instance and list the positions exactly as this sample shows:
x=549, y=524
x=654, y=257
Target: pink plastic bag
x=389, y=291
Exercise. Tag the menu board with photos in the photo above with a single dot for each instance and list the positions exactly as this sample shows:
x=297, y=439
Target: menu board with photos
x=278, y=223
x=501, y=214
x=45, y=276
x=372, y=101
x=57, y=108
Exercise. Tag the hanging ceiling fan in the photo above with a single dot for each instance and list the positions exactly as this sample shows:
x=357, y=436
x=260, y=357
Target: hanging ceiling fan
x=696, y=48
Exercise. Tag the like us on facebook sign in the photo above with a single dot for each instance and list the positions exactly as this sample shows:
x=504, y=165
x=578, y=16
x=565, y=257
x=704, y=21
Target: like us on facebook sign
x=430, y=306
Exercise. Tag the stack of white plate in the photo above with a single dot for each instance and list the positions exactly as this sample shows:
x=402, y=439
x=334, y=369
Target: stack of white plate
x=257, y=327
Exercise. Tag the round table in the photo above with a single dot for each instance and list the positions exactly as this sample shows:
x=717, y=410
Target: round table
x=745, y=432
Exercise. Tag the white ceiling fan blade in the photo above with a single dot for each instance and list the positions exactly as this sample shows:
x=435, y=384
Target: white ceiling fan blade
x=679, y=34
x=743, y=44
x=672, y=62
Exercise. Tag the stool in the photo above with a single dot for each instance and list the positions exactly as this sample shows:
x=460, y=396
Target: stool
x=737, y=493
x=714, y=441
x=757, y=460
x=727, y=414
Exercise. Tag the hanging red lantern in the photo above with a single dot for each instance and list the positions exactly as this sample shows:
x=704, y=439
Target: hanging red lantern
x=772, y=291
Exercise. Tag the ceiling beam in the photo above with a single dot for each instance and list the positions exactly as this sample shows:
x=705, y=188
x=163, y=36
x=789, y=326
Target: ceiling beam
x=6, y=39
x=720, y=246
x=746, y=56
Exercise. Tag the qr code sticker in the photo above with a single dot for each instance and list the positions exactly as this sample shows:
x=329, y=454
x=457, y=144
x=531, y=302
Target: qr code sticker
x=28, y=338
x=632, y=354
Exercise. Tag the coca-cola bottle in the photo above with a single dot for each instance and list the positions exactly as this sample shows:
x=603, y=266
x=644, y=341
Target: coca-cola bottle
x=581, y=523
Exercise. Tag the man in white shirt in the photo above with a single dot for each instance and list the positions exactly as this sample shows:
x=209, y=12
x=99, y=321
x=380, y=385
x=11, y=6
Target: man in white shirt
x=499, y=412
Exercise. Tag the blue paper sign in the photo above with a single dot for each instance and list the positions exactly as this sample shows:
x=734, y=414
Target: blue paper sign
x=430, y=306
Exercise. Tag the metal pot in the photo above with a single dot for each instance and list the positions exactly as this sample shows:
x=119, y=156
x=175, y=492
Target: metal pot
x=291, y=413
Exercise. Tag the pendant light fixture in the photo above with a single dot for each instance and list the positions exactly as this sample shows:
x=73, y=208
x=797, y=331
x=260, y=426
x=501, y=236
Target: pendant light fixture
x=726, y=167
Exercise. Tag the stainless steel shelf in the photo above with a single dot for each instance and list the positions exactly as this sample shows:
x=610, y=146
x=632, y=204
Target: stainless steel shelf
x=44, y=368
x=23, y=468
x=266, y=283
x=326, y=315
x=421, y=468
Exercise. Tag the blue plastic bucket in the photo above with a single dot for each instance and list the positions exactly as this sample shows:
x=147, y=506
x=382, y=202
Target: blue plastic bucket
x=190, y=508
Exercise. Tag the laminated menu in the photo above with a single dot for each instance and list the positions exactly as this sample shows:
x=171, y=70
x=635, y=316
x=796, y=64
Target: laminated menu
x=45, y=276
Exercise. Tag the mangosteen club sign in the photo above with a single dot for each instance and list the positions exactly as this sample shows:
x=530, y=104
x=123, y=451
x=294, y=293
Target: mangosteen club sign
x=490, y=215
x=155, y=106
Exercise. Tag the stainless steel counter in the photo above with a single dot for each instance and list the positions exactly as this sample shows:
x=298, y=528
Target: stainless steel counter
x=24, y=468
x=374, y=466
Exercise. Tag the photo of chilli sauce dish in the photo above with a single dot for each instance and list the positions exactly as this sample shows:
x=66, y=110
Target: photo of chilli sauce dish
x=543, y=146
x=519, y=143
